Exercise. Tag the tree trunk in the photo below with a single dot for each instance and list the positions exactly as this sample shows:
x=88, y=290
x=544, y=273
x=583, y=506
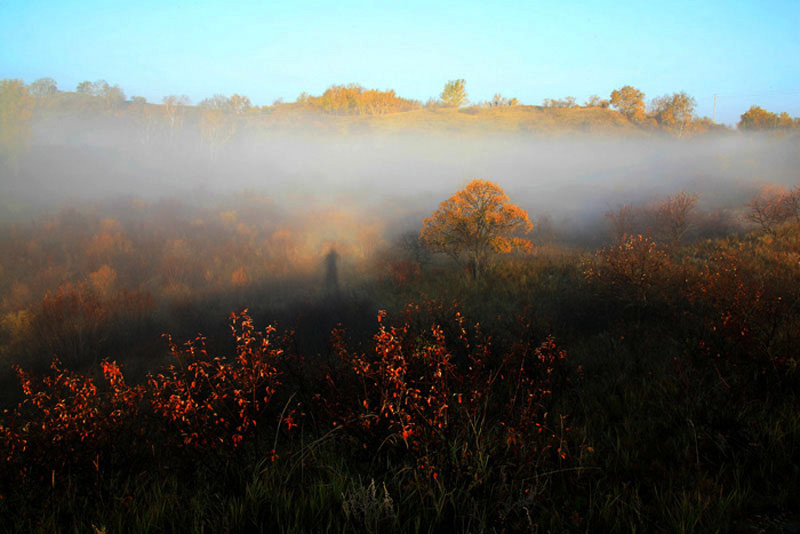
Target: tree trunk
x=476, y=268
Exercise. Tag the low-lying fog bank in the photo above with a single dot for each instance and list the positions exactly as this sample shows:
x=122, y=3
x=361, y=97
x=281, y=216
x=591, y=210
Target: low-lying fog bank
x=397, y=177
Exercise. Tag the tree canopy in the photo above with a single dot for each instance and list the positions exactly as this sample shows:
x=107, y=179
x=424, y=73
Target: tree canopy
x=674, y=112
x=629, y=101
x=475, y=223
x=454, y=93
x=757, y=118
x=43, y=87
x=353, y=99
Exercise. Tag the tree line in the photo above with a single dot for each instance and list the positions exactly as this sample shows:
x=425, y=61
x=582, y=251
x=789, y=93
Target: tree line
x=671, y=110
x=217, y=118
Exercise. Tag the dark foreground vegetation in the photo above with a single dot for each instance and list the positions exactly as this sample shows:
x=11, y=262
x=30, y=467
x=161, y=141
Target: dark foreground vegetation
x=648, y=385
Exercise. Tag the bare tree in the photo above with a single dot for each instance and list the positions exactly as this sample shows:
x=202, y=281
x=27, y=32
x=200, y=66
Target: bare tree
x=673, y=217
x=773, y=207
x=622, y=222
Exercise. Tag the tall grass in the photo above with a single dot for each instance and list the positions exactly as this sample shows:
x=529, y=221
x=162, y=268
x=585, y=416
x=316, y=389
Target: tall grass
x=554, y=395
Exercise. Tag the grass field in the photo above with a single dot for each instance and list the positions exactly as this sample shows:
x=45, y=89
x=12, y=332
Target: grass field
x=631, y=388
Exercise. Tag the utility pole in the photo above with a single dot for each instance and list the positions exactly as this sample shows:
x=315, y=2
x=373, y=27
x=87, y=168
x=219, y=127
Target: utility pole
x=715, y=109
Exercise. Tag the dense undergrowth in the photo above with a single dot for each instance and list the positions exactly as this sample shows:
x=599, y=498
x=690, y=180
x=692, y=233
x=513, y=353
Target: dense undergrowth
x=640, y=387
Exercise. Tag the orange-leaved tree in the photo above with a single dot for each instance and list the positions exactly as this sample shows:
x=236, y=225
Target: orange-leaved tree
x=759, y=119
x=629, y=101
x=475, y=223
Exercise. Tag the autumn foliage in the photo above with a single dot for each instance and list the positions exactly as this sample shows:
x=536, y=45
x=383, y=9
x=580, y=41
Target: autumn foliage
x=776, y=210
x=353, y=99
x=475, y=223
x=630, y=270
x=463, y=398
x=629, y=101
x=736, y=298
x=413, y=395
x=427, y=392
x=215, y=402
x=758, y=119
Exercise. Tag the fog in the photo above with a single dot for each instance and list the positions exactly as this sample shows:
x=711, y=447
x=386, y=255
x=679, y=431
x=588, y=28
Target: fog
x=399, y=177
x=143, y=231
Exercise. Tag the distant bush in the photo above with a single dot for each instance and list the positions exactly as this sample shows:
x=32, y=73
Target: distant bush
x=353, y=99
x=499, y=101
x=568, y=102
x=596, y=101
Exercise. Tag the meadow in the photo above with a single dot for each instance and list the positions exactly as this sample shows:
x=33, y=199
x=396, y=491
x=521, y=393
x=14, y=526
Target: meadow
x=230, y=318
x=644, y=382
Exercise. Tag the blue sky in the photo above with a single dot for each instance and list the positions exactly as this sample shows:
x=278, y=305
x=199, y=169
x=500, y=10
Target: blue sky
x=746, y=52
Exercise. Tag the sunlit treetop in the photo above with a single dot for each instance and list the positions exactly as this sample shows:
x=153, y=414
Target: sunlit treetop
x=629, y=101
x=475, y=223
x=756, y=119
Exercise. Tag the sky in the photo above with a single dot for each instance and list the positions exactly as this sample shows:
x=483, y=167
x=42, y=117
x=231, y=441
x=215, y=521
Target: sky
x=745, y=52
